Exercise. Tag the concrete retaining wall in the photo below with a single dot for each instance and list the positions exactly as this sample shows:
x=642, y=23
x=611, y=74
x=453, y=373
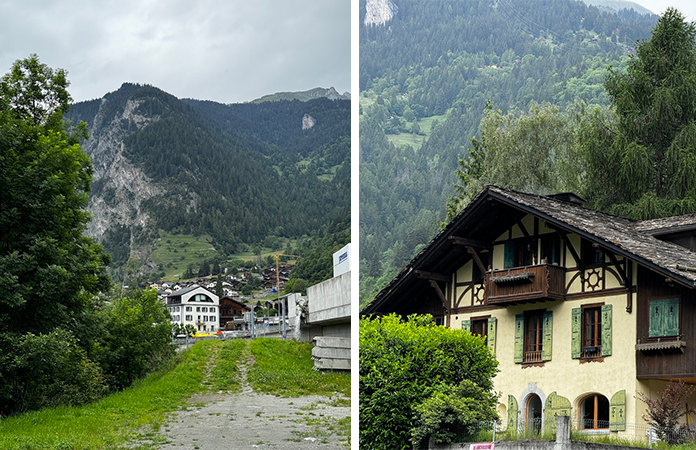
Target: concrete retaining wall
x=562, y=442
x=331, y=353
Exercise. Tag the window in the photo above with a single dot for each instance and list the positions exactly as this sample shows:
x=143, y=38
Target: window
x=198, y=309
x=591, y=331
x=551, y=248
x=517, y=253
x=204, y=309
x=533, y=336
x=664, y=317
x=592, y=255
x=202, y=298
x=212, y=309
x=189, y=308
x=483, y=326
x=189, y=318
x=594, y=413
x=479, y=328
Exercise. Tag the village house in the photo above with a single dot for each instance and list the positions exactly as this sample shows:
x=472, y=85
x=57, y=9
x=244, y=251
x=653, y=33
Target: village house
x=195, y=305
x=583, y=310
x=232, y=313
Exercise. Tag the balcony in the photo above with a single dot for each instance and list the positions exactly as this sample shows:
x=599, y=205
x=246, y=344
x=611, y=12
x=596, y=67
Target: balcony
x=525, y=284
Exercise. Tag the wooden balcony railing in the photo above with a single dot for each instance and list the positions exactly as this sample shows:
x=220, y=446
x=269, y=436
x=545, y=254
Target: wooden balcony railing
x=521, y=284
x=532, y=356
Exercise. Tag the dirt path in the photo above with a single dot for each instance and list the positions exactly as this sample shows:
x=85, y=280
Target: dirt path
x=251, y=420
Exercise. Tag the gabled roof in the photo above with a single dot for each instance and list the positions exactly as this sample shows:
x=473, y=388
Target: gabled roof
x=185, y=290
x=495, y=209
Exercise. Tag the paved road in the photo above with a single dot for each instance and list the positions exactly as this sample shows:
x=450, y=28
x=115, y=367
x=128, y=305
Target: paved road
x=251, y=420
x=255, y=421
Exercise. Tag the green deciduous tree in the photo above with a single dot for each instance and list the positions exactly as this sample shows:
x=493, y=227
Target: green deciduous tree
x=534, y=152
x=50, y=271
x=135, y=339
x=411, y=375
x=642, y=162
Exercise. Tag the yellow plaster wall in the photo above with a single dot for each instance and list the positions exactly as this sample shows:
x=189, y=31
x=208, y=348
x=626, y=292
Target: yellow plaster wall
x=566, y=376
x=563, y=374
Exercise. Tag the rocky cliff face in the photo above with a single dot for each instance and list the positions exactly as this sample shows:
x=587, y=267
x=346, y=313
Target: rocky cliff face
x=119, y=186
x=379, y=12
x=307, y=122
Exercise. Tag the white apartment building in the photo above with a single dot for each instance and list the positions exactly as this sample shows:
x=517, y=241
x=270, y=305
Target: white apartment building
x=195, y=305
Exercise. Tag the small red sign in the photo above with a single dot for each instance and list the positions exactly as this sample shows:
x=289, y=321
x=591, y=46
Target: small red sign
x=486, y=446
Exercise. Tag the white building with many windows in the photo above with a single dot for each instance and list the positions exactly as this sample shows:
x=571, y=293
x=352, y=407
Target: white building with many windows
x=197, y=306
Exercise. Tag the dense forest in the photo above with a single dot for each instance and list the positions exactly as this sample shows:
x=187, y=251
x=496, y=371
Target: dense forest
x=238, y=173
x=428, y=76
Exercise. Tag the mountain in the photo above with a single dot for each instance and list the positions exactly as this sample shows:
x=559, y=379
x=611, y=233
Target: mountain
x=618, y=5
x=428, y=70
x=304, y=96
x=236, y=173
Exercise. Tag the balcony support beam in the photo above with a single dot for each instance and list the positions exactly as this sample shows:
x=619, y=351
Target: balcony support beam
x=479, y=263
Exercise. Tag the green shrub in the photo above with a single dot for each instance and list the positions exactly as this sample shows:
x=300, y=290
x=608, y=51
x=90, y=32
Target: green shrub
x=451, y=413
x=402, y=365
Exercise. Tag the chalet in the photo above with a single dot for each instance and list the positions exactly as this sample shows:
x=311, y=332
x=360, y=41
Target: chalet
x=194, y=305
x=582, y=309
x=232, y=313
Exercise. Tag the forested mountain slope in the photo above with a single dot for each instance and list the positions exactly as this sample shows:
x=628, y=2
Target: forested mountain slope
x=238, y=173
x=426, y=76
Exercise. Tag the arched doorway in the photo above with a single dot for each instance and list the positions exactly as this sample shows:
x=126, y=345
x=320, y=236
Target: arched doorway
x=534, y=411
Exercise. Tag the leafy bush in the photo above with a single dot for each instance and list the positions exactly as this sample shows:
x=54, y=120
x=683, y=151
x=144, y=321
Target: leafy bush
x=663, y=412
x=43, y=370
x=410, y=373
x=452, y=412
x=136, y=338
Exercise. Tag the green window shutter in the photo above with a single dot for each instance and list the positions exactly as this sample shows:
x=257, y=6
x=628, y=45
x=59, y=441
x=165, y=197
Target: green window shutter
x=606, y=330
x=671, y=327
x=555, y=406
x=548, y=336
x=466, y=325
x=509, y=254
x=519, y=338
x=492, y=328
x=576, y=333
x=664, y=317
x=617, y=412
x=512, y=413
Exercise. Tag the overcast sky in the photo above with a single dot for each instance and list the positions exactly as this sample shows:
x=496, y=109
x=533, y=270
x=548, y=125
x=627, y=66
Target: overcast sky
x=228, y=51
x=686, y=7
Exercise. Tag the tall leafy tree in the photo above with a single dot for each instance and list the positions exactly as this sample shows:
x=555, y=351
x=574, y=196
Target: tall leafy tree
x=642, y=162
x=534, y=151
x=50, y=271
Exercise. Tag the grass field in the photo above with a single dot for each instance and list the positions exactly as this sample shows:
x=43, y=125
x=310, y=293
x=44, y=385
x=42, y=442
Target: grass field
x=174, y=252
x=281, y=368
x=416, y=140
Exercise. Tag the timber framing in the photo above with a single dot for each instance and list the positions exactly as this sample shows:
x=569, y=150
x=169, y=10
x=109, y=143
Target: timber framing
x=494, y=210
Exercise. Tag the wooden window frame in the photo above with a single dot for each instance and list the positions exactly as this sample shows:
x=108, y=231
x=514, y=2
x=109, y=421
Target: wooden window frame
x=595, y=419
x=533, y=347
x=480, y=322
x=596, y=339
